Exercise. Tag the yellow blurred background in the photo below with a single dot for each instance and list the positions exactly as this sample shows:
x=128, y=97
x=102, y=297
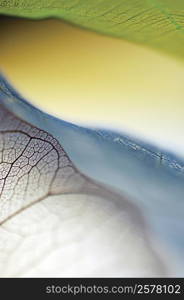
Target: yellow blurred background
x=92, y=79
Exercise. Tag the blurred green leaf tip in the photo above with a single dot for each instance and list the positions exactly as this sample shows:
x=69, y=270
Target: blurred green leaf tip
x=155, y=23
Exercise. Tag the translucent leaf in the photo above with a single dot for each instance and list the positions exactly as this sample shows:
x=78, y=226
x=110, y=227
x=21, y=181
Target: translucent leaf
x=84, y=202
x=156, y=23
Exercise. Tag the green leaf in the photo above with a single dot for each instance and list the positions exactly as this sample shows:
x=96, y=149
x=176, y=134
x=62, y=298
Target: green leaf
x=155, y=23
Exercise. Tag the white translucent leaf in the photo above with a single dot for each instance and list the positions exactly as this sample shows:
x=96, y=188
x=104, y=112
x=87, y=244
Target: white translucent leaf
x=75, y=202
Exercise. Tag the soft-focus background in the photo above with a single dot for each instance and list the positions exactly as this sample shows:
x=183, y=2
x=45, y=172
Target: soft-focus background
x=91, y=79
